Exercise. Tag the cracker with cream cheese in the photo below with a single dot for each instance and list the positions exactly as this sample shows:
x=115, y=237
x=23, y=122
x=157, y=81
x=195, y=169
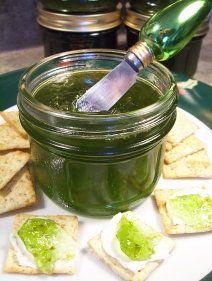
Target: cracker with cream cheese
x=69, y=225
x=161, y=197
x=95, y=245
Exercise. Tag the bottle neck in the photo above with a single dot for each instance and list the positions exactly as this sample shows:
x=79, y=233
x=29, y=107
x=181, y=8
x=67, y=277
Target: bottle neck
x=139, y=56
x=168, y=31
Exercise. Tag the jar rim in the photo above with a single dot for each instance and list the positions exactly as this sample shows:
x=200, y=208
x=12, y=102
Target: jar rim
x=94, y=116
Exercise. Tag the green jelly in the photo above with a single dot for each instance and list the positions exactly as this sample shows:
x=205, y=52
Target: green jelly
x=138, y=244
x=62, y=91
x=193, y=209
x=47, y=242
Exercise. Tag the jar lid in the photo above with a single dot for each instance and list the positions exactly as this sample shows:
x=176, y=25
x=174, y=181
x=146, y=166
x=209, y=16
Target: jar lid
x=78, y=23
x=137, y=20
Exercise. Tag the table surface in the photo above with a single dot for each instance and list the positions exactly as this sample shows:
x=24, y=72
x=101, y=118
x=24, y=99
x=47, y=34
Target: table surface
x=195, y=97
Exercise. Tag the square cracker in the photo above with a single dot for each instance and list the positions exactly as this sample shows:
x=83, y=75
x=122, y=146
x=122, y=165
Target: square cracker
x=182, y=128
x=168, y=146
x=188, y=146
x=10, y=164
x=10, y=139
x=18, y=193
x=95, y=245
x=68, y=223
x=196, y=165
x=161, y=197
x=12, y=118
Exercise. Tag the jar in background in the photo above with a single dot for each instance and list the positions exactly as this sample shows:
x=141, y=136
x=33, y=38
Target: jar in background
x=149, y=7
x=80, y=6
x=183, y=62
x=65, y=32
x=186, y=60
x=96, y=163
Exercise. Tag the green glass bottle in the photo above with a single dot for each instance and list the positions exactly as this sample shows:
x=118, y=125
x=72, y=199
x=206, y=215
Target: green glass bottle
x=169, y=30
x=162, y=36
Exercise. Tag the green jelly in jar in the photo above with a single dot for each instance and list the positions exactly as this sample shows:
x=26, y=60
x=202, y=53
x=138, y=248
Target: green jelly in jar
x=96, y=163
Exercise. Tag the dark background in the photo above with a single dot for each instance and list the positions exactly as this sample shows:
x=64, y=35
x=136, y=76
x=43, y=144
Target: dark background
x=18, y=19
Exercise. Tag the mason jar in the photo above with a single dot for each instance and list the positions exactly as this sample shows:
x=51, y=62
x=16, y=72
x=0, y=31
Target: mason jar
x=66, y=32
x=96, y=163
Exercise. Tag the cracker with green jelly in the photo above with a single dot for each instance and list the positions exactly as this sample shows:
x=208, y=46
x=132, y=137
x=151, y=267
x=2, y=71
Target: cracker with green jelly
x=95, y=245
x=161, y=197
x=68, y=223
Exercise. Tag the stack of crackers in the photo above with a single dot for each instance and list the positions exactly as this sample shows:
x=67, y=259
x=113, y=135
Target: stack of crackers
x=16, y=187
x=186, y=155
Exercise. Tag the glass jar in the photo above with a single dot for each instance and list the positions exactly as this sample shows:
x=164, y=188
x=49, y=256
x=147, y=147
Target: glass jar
x=66, y=32
x=183, y=62
x=80, y=6
x=96, y=163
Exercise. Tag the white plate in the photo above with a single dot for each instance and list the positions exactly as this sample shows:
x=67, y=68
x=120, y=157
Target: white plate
x=191, y=259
